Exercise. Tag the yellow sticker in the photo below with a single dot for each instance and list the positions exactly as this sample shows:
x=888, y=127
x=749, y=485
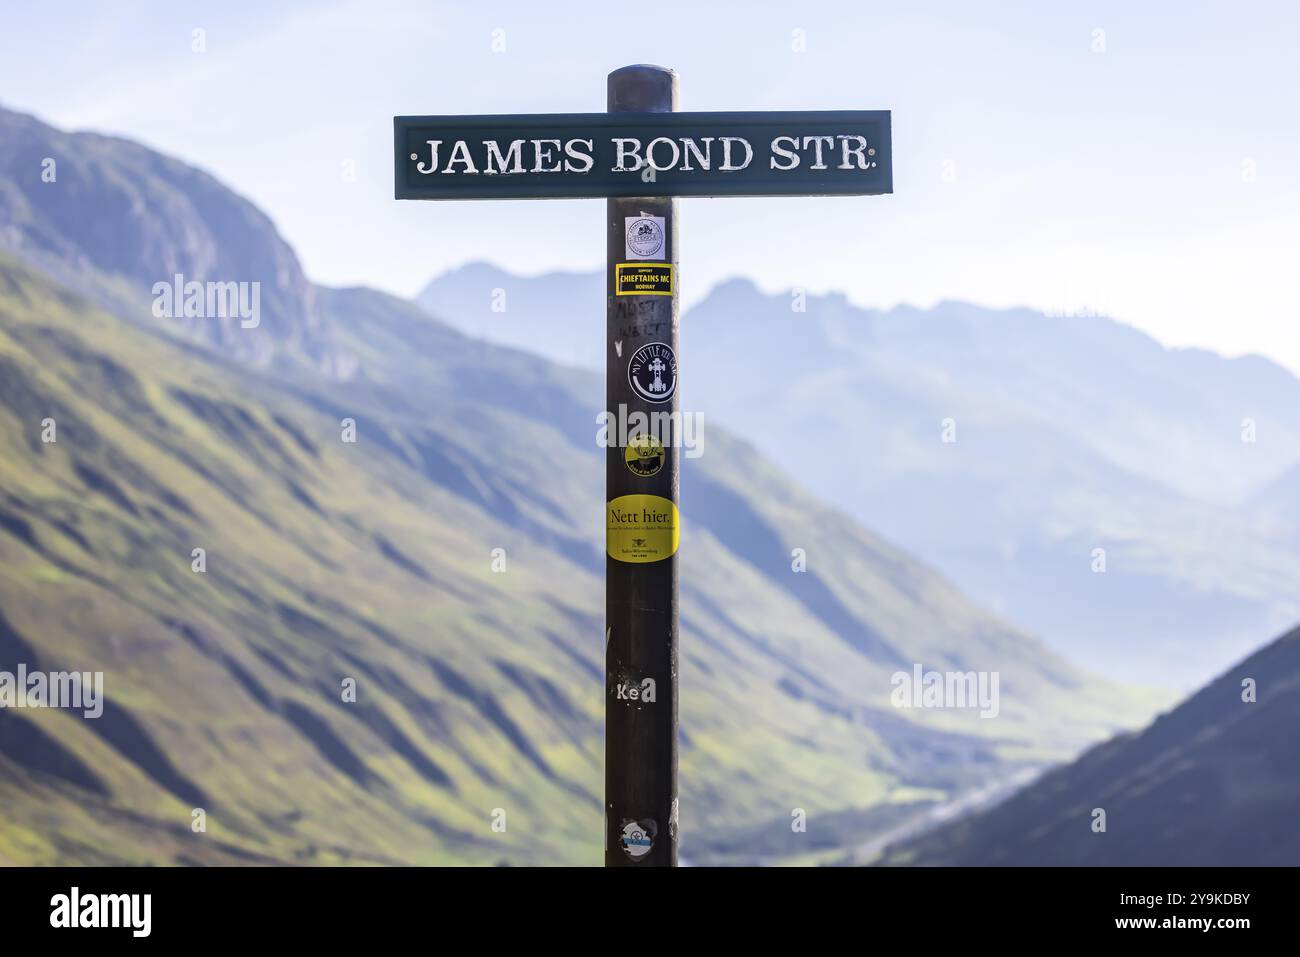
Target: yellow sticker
x=643, y=279
x=641, y=528
x=644, y=455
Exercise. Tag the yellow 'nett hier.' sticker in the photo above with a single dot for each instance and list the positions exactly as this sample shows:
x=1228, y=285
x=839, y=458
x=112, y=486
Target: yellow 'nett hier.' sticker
x=641, y=528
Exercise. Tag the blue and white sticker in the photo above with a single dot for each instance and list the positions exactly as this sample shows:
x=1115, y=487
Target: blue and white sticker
x=638, y=838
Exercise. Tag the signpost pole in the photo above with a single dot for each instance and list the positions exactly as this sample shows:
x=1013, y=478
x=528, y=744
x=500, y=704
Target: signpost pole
x=641, y=155
x=641, y=491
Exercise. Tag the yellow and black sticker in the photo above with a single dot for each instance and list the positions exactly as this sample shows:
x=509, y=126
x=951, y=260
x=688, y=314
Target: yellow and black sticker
x=641, y=528
x=644, y=455
x=643, y=279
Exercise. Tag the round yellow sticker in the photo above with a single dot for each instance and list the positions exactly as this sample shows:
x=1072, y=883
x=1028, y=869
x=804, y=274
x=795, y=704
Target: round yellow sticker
x=641, y=528
x=644, y=455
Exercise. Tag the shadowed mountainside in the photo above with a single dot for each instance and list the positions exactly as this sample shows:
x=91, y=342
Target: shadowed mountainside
x=1211, y=783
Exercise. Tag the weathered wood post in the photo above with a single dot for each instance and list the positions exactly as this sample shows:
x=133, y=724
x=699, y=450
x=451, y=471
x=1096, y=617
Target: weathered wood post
x=641, y=492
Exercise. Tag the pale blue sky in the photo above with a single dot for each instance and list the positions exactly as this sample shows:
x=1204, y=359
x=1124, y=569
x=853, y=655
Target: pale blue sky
x=1158, y=180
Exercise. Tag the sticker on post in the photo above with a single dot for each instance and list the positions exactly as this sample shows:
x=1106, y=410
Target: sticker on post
x=644, y=236
x=638, y=838
x=632, y=690
x=644, y=455
x=643, y=279
x=652, y=372
x=641, y=528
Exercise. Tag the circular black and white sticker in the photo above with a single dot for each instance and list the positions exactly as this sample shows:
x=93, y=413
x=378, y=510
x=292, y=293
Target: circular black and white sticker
x=652, y=372
x=645, y=236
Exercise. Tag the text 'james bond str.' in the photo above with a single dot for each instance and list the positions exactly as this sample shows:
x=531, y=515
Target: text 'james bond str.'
x=553, y=156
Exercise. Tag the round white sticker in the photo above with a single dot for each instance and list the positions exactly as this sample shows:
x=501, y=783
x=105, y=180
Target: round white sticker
x=645, y=237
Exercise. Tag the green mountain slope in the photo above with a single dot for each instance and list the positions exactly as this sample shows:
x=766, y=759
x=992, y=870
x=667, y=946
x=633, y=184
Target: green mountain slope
x=328, y=560
x=1212, y=783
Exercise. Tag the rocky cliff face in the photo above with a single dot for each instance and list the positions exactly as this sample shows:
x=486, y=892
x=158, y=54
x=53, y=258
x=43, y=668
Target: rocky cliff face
x=110, y=218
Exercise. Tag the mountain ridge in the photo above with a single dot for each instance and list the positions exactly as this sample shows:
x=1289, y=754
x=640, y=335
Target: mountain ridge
x=1209, y=783
x=167, y=218
x=1068, y=435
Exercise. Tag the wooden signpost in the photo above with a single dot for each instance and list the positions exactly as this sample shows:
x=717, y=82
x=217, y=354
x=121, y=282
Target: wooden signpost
x=640, y=156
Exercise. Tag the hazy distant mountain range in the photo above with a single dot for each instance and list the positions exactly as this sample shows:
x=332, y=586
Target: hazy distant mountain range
x=328, y=560
x=1066, y=436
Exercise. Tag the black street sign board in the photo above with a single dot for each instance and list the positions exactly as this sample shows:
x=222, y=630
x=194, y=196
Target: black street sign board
x=573, y=155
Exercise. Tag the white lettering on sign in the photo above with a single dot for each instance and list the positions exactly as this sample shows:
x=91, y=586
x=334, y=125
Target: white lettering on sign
x=853, y=152
x=663, y=153
x=546, y=155
x=511, y=162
